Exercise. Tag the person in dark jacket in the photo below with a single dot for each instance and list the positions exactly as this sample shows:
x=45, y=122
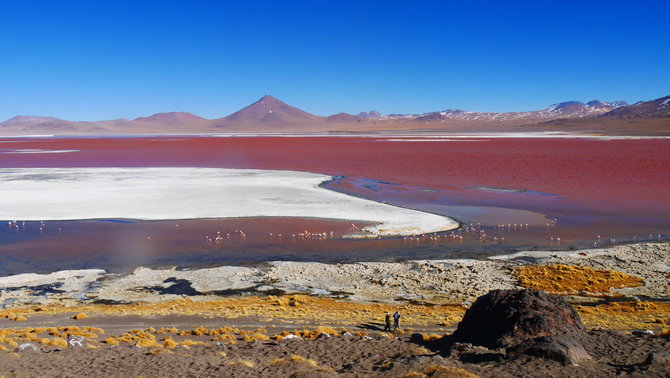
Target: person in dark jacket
x=396, y=321
x=387, y=318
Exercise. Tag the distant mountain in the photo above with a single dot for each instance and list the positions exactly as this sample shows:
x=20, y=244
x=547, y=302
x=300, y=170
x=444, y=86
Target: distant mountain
x=372, y=114
x=343, y=117
x=267, y=112
x=643, y=118
x=580, y=109
x=659, y=107
x=23, y=120
x=65, y=127
x=568, y=109
x=601, y=104
x=444, y=115
x=173, y=119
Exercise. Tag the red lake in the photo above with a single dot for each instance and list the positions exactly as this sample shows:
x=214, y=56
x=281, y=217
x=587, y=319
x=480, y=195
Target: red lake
x=510, y=194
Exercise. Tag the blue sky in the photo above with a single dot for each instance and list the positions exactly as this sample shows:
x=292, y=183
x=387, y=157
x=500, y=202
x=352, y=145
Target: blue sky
x=92, y=60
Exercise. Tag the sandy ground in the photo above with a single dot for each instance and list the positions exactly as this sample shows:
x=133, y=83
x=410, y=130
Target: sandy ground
x=233, y=320
x=263, y=352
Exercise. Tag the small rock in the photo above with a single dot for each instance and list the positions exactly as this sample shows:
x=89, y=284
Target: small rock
x=27, y=347
x=366, y=338
x=76, y=341
x=323, y=335
x=416, y=338
x=558, y=348
x=469, y=348
x=469, y=353
x=646, y=332
x=347, y=334
x=420, y=359
x=292, y=337
x=658, y=358
x=314, y=374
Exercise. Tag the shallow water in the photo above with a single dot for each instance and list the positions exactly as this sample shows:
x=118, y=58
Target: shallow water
x=575, y=190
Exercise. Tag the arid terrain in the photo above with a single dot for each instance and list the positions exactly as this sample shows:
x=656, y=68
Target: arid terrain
x=238, y=321
x=171, y=296
x=334, y=188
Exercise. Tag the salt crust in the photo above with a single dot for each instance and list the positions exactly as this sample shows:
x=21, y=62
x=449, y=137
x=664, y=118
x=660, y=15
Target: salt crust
x=31, y=194
x=36, y=151
x=29, y=288
x=68, y=277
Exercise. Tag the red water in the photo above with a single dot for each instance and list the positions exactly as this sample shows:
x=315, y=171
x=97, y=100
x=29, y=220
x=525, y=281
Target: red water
x=617, y=188
x=596, y=170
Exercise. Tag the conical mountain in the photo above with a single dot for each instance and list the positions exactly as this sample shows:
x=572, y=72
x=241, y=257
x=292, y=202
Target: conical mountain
x=268, y=112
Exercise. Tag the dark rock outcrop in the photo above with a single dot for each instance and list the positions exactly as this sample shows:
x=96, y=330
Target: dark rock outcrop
x=507, y=318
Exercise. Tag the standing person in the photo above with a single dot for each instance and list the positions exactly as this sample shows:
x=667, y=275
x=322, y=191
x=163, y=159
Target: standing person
x=396, y=321
x=387, y=318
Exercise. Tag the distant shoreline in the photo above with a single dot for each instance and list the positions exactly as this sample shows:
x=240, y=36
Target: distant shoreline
x=428, y=135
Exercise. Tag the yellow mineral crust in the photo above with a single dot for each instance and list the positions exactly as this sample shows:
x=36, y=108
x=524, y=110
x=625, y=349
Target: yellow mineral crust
x=324, y=315
x=626, y=315
x=571, y=279
x=293, y=307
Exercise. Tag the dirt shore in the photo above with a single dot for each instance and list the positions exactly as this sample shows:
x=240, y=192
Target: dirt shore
x=233, y=320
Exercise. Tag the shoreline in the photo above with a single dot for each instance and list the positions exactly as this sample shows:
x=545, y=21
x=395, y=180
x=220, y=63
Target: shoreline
x=431, y=282
x=382, y=134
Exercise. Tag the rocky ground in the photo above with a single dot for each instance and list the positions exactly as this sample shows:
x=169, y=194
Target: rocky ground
x=620, y=293
x=120, y=348
x=456, y=281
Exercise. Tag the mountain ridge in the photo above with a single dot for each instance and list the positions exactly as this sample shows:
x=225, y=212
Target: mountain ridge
x=269, y=114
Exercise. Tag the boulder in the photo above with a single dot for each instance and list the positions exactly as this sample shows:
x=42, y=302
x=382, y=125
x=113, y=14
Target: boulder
x=416, y=338
x=507, y=318
x=658, y=358
x=558, y=348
